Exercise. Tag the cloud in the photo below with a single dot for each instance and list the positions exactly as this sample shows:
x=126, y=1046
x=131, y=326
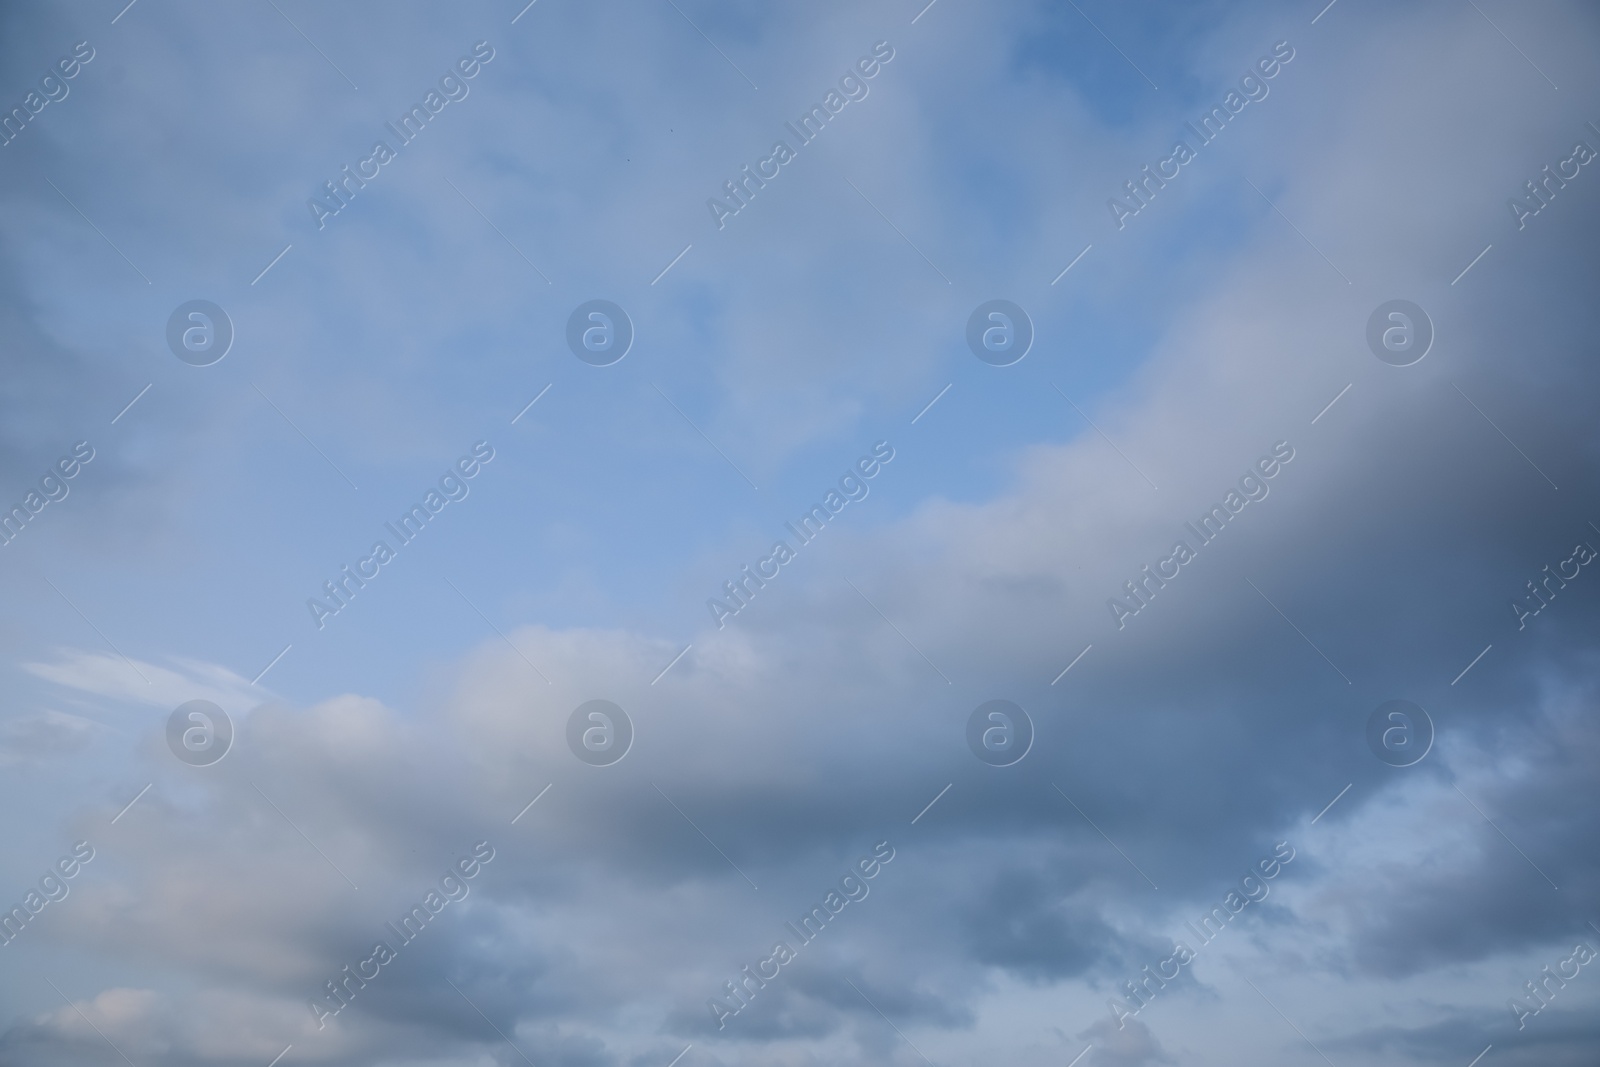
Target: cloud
x=1132, y=1045
x=124, y=681
x=1221, y=718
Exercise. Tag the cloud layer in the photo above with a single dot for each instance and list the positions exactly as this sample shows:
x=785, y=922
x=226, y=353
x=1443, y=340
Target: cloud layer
x=1173, y=747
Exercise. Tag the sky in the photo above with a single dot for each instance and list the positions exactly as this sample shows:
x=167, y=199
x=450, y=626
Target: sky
x=1013, y=591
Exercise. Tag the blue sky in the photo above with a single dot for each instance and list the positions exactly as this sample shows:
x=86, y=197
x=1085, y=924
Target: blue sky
x=372, y=353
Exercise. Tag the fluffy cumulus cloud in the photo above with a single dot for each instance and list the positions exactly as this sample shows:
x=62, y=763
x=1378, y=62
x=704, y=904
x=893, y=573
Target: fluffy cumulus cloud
x=407, y=855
